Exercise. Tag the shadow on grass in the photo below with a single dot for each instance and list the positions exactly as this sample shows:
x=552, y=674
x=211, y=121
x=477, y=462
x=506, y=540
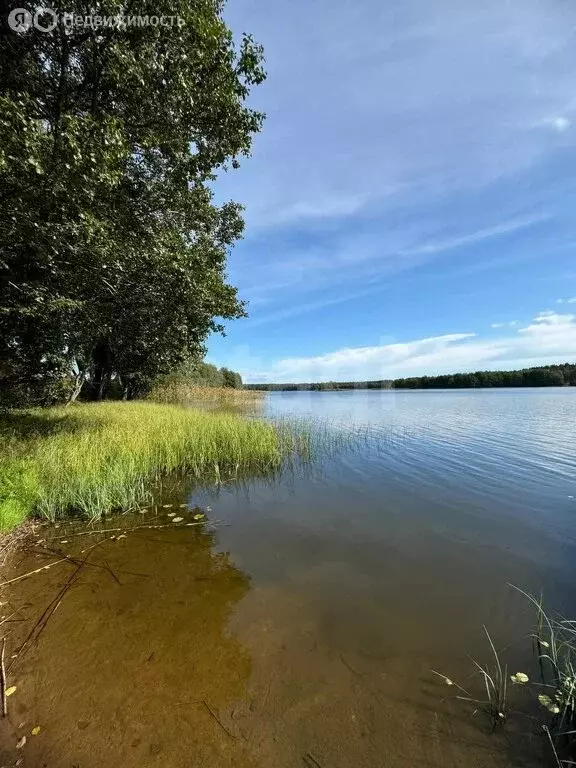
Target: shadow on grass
x=28, y=424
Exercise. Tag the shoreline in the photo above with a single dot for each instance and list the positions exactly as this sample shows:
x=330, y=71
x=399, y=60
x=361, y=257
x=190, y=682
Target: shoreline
x=98, y=458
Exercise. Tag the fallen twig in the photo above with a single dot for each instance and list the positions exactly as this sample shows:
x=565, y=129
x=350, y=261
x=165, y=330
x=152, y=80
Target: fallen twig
x=105, y=567
x=50, y=609
x=310, y=761
x=350, y=667
x=220, y=723
x=31, y=573
x=3, y=679
x=140, y=527
x=110, y=571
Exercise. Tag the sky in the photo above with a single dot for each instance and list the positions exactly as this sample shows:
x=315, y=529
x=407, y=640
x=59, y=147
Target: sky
x=410, y=203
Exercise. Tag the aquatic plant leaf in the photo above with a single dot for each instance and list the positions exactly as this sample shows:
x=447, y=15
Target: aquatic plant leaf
x=36, y=730
x=10, y=691
x=21, y=742
x=177, y=519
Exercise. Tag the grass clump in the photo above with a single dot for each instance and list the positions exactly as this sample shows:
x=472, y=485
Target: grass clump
x=96, y=458
x=552, y=694
x=495, y=682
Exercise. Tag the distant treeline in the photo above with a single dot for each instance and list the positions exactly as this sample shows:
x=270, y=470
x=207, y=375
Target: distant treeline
x=544, y=376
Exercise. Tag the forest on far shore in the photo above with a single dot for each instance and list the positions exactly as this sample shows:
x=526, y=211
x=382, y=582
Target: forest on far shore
x=543, y=376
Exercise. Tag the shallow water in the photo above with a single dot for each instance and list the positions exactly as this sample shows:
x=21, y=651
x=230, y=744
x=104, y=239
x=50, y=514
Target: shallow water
x=303, y=631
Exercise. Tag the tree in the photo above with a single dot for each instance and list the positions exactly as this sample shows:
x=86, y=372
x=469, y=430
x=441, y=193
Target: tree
x=231, y=378
x=112, y=250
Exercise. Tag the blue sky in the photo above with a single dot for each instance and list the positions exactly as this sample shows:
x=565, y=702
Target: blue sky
x=410, y=203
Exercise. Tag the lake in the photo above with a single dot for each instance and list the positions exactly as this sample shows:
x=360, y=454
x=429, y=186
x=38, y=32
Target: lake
x=303, y=627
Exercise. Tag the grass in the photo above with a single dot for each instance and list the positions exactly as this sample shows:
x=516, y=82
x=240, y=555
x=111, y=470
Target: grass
x=555, y=646
x=554, y=642
x=91, y=459
x=495, y=682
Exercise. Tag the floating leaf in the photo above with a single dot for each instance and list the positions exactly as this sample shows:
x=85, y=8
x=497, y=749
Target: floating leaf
x=199, y=516
x=519, y=677
x=183, y=506
x=177, y=519
x=21, y=742
x=171, y=514
x=10, y=691
x=545, y=700
x=36, y=730
x=167, y=506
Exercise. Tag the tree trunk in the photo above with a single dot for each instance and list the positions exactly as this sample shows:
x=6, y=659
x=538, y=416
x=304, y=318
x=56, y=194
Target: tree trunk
x=80, y=379
x=102, y=368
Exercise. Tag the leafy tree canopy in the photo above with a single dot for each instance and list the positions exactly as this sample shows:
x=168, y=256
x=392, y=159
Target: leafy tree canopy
x=112, y=250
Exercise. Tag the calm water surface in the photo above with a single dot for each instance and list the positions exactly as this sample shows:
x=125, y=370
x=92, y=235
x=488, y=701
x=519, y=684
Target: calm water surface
x=304, y=631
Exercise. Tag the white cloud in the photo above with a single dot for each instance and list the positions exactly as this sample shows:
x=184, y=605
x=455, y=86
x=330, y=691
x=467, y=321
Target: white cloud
x=549, y=338
x=561, y=124
x=509, y=324
x=571, y=300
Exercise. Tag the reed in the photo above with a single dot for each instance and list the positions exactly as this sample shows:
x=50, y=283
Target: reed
x=92, y=459
x=182, y=392
x=494, y=676
x=554, y=641
x=555, y=646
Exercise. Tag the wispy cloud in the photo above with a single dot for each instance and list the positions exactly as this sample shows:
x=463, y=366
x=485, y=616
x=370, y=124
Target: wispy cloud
x=571, y=300
x=357, y=264
x=395, y=100
x=509, y=324
x=505, y=228
x=549, y=338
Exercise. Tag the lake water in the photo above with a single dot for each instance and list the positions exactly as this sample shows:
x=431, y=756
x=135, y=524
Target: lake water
x=303, y=631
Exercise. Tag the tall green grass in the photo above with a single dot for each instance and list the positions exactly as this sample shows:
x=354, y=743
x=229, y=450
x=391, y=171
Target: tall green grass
x=96, y=458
